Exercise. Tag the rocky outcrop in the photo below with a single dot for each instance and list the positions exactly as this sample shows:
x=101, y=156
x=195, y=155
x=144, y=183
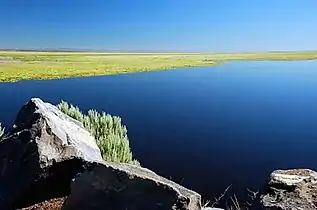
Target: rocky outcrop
x=294, y=189
x=121, y=186
x=41, y=155
x=48, y=156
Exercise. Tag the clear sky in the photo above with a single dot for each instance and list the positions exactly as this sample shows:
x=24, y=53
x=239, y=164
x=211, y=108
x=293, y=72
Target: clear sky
x=160, y=25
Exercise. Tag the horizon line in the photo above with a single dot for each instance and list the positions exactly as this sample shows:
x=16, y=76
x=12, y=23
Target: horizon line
x=74, y=50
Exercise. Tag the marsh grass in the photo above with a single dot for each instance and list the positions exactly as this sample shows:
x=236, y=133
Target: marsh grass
x=111, y=136
x=54, y=65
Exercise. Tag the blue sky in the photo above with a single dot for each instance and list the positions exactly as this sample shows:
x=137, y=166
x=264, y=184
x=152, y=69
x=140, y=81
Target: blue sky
x=162, y=25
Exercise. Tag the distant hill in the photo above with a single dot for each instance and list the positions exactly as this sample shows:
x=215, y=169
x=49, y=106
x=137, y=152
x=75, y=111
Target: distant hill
x=90, y=50
x=140, y=51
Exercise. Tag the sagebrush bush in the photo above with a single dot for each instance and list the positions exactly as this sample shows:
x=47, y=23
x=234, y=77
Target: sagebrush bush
x=1, y=130
x=111, y=136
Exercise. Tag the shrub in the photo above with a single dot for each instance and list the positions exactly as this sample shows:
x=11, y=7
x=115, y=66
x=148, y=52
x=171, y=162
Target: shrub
x=1, y=131
x=111, y=136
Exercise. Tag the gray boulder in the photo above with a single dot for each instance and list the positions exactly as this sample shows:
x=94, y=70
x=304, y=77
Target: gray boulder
x=122, y=186
x=294, y=189
x=42, y=154
x=49, y=156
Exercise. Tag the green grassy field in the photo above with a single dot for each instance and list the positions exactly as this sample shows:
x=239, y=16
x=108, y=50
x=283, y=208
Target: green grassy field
x=51, y=65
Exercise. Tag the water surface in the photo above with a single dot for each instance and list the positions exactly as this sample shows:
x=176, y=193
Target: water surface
x=206, y=127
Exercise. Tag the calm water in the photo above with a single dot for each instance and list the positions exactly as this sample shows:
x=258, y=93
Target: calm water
x=206, y=128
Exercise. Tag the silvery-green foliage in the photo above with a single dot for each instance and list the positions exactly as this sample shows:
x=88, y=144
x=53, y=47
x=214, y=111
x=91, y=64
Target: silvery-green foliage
x=71, y=111
x=111, y=136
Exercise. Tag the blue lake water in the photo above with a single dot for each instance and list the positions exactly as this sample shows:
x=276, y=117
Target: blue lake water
x=206, y=127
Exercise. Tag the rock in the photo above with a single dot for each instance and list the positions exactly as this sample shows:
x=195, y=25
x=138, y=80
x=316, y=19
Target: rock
x=293, y=189
x=53, y=204
x=48, y=157
x=41, y=155
x=122, y=186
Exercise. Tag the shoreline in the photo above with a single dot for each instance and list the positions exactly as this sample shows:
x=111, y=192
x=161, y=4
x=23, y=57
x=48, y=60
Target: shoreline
x=16, y=65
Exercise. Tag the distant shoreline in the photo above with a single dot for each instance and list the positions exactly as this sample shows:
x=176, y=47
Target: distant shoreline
x=28, y=65
x=66, y=50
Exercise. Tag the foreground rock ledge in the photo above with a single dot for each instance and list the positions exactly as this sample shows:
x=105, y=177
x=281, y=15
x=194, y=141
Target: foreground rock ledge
x=121, y=186
x=294, y=189
x=41, y=155
x=46, y=150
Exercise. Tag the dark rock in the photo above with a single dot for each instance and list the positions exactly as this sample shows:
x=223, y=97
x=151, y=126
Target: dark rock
x=122, y=186
x=294, y=189
x=41, y=155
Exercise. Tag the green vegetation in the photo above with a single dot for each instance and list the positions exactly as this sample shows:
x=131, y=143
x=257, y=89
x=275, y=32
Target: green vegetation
x=23, y=66
x=269, y=56
x=52, y=65
x=111, y=136
x=1, y=130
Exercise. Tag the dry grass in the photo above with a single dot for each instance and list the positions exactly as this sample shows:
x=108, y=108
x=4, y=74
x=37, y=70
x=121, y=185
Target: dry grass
x=232, y=202
x=1, y=130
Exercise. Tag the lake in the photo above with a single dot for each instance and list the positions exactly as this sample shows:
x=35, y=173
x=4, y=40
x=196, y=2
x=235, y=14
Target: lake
x=207, y=127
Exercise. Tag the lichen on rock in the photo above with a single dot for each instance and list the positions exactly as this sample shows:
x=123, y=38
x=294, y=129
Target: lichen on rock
x=294, y=189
